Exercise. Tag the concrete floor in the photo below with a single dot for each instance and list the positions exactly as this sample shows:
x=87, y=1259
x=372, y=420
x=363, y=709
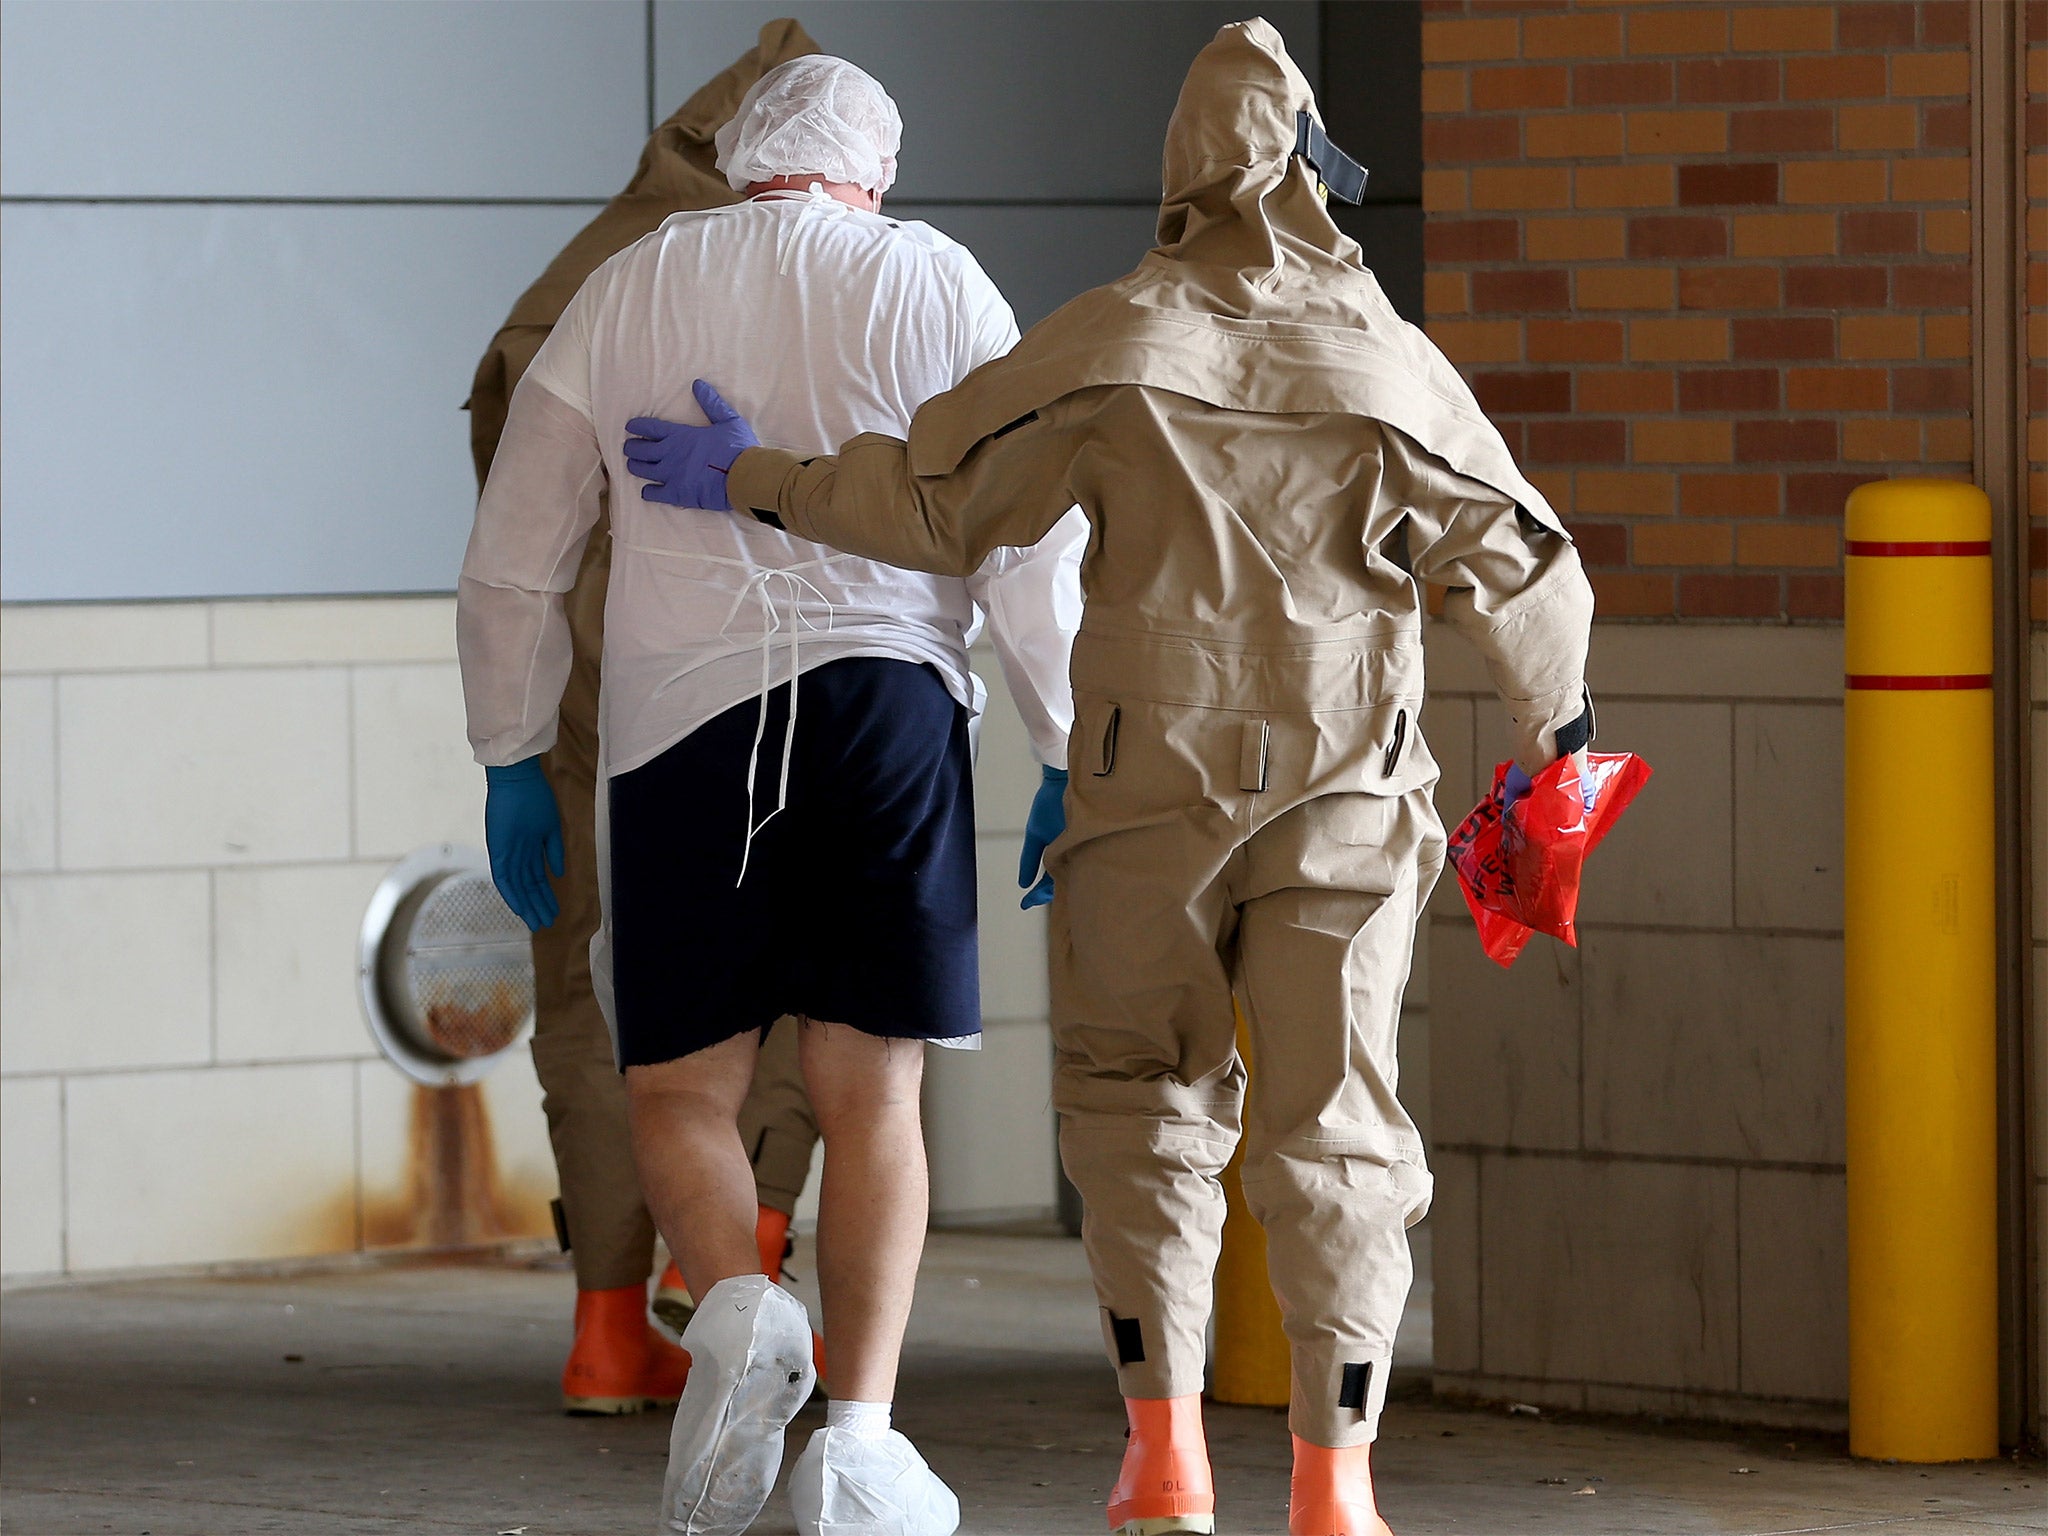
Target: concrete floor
x=421, y=1399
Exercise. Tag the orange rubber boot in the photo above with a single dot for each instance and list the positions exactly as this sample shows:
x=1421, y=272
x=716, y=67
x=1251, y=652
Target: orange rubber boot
x=1331, y=1494
x=771, y=1235
x=618, y=1363
x=673, y=1303
x=1165, y=1484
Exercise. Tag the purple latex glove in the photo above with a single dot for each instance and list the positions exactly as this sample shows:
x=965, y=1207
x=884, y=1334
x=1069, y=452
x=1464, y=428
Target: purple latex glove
x=686, y=466
x=1513, y=787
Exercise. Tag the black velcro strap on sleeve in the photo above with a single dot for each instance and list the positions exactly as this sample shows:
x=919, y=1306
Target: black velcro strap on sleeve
x=1579, y=734
x=1357, y=1382
x=1129, y=1334
x=772, y=519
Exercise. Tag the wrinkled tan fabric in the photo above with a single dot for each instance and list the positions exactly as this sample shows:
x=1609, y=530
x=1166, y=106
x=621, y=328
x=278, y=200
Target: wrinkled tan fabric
x=583, y=1096
x=1246, y=424
x=1177, y=886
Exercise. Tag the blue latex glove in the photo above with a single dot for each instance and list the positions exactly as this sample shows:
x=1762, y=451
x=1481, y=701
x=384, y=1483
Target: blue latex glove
x=1516, y=785
x=686, y=466
x=1048, y=819
x=523, y=831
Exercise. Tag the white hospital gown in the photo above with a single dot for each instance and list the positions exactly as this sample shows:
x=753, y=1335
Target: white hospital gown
x=818, y=322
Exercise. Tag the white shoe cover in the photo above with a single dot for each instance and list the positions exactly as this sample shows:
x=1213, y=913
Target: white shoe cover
x=750, y=1370
x=869, y=1485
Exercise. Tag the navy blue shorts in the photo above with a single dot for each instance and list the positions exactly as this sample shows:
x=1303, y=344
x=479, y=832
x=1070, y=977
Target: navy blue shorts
x=858, y=905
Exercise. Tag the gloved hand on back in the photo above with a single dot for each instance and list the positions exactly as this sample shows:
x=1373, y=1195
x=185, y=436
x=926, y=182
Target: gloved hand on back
x=1042, y=827
x=523, y=832
x=686, y=466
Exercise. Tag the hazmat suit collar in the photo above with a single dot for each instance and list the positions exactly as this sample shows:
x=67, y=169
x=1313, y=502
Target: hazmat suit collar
x=1253, y=299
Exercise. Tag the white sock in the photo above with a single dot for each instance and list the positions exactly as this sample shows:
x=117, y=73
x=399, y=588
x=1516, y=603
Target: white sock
x=867, y=1421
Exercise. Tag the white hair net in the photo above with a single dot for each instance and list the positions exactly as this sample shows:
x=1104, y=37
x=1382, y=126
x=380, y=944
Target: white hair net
x=813, y=116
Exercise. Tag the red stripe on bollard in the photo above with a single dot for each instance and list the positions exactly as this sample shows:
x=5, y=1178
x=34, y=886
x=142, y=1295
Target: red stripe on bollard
x=1912, y=684
x=1870, y=547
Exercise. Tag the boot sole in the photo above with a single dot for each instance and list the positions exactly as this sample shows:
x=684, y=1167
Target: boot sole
x=1170, y=1525
x=778, y=1409
x=675, y=1309
x=611, y=1407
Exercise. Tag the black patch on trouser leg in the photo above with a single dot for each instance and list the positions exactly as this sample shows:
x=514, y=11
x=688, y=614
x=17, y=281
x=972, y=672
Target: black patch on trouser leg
x=1357, y=1381
x=557, y=1210
x=1129, y=1334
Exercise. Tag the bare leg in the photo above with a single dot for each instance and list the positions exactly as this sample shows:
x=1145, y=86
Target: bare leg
x=874, y=1202
x=693, y=1168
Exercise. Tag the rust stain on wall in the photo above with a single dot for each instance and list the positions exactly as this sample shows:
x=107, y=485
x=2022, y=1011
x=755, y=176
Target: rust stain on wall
x=453, y=1195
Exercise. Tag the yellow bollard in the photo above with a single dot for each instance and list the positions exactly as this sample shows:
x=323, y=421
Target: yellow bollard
x=1920, y=959
x=1251, y=1351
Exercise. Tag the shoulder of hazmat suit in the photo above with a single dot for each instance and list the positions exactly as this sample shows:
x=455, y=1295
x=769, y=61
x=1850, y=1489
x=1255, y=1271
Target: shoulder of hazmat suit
x=1245, y=399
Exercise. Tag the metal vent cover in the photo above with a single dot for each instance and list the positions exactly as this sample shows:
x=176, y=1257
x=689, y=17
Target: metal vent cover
x=445, y=967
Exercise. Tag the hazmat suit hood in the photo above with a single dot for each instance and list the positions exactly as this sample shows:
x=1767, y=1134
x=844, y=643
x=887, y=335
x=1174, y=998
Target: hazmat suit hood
x=1236, y=204
x=1252, y=299
x=677, y=172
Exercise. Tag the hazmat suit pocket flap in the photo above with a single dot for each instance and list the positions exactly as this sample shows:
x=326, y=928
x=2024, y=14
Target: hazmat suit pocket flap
x=1106, y=764
x=1252, y=756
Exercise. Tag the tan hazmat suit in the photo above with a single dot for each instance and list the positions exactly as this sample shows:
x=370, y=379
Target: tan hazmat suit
x=1246, y=422
x=611, y=1235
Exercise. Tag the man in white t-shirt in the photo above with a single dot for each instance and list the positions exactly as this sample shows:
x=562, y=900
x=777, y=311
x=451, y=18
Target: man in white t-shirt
x=783, y=727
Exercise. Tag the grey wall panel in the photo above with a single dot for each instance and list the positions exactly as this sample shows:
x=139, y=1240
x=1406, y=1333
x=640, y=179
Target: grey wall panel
x=1001, y=99
x=225, y=401
x=1042, y=257
x=324, y=98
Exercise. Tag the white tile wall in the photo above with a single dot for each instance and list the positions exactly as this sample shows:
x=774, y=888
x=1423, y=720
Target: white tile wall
x=156, y=995
x=1006, y=774
x=95, y=637
x=384, y=1163
x=1642, y=877
x=989, y=1123
x=1788, y=860
x=284, y=967
x=1669, y=1119
x=521, y=1159
x=224, y=1163
x=31, y=1176
x=285, y=632
x=1013, y=977
x=203, y=768
x=323, y=98
x=519, y=1141
x=100, y=971
x=415, y=781
x=28, y=773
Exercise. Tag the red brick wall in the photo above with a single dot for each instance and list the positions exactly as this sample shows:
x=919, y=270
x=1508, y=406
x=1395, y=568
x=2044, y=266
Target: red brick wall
x=1708, y=265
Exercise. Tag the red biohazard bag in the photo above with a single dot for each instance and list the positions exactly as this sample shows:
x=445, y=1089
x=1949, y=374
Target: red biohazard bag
x=1519, y=866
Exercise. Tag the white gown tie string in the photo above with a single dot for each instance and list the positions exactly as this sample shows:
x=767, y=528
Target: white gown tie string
x=788, y=620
